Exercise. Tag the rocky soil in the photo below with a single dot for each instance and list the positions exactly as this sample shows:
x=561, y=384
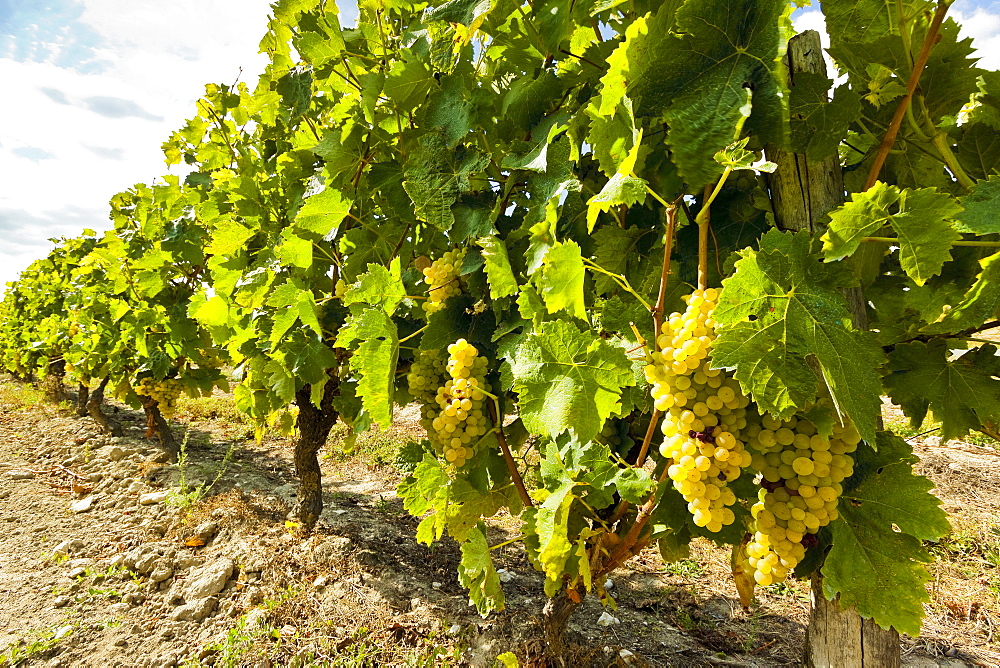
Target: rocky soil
x=110, y=556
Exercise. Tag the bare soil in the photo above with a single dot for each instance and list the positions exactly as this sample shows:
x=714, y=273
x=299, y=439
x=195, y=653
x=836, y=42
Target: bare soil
x=152, y=573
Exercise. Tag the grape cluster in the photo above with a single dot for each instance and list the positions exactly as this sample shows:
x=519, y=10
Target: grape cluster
x=801, y=476
x=704, y=413
x=442, y=277
x=458, y=419
x=425, y=377
x=164, y=392
x=609, y=436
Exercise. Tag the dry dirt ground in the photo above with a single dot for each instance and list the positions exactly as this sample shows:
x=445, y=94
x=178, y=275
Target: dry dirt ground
x=109, y=557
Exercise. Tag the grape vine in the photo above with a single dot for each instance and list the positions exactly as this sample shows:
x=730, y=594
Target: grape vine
x=572, y=364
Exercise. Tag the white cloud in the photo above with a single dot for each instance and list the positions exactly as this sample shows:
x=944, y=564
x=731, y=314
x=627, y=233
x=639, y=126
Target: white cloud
x=95, y=96
x=983, y=27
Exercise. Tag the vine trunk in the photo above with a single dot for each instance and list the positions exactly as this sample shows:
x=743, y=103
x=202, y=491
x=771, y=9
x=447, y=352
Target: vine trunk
x=555, y=618
x=314, y=426
x=82, y=397
x=95, y=404
x=55, y=389
x=157, y=425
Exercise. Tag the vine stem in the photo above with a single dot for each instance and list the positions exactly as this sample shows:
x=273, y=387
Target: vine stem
x=407, y=338
x=661, y=299
x=617, y=278
x=703, y=218
x=622, y=553
x=960, y=242
x=515, y=475
x=911, y=85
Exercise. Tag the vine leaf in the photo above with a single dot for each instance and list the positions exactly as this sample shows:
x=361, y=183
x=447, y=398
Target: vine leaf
x=568, y=380
x=698, y=74
x=498, y=270
x=980, y=303
x=920, y=218
x=561, y=280
x=477, y=573
x=963, y=393
x=736, y=156
x=435, y=175
x=615, y=250
x=982, y=208
x=876, y=562
x=379, y=286
x=781, y=311
x=294, y=303
x=323, y=212
x=622, y=188
x=548, y=526
x=374, y=359
x=818, y=125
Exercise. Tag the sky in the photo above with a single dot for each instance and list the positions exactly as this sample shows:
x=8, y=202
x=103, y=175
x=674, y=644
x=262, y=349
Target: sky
x=93, y=87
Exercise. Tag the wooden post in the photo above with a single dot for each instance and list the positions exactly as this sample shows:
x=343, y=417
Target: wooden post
x=802, y=193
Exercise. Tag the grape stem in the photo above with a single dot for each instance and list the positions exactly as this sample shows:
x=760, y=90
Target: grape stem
x=407, y=338
x=657, y=311
x=507, y=542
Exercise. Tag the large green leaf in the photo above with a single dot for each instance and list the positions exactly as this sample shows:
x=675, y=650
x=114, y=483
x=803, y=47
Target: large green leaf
x=568, y=380
x=781, y=314
x=921, y=219
x=561, y=280
x=323, y=212
x=379, y=286
x=697, y=68
x=963, y=393
x=435, y=175
x=374, y=360
x=478, y=574
x=876, y=562
x=501, y=277
x=819, y=124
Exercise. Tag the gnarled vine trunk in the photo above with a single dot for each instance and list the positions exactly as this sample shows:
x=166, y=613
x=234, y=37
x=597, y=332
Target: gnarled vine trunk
x=82, y=396
x=555, y=618
x=802, y=193
x=55, y=389
x=314, y=425
x=157, y=426
x=95, y=405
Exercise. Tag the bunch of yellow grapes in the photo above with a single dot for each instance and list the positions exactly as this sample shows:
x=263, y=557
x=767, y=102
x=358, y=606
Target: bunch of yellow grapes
x=459, y=420
x=425, y=377
x=802, y=472
x=704, y=413
x=442, y=277
x=164, y=392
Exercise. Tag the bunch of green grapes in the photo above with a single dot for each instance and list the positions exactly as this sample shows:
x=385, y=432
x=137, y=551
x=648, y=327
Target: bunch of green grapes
x=609, y=436
x=425, y=377
x=442, y=277
x=459, y=419
x=801, y=476
x=164, y=392
x=704, y=411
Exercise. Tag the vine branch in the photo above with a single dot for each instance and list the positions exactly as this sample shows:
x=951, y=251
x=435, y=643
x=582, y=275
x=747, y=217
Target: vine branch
x=911, y=85
x=515, y=475
x=965, y=333
x=960, y=242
